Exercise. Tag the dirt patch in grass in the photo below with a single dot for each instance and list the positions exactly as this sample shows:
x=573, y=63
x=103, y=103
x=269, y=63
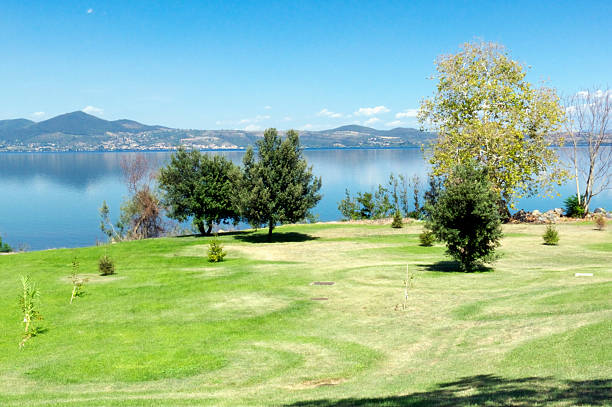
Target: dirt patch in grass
x=312, y=384
x=91, y=278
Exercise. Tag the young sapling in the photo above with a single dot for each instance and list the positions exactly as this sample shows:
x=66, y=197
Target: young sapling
x=28, y=301
x=77, y=282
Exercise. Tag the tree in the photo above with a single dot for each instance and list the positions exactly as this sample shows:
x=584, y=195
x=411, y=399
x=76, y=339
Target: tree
x=587, y=125
x=279, y=186
x=142, y=213
x=485, y=109
x=4, y=247
x=466, y=216
x=202, y=187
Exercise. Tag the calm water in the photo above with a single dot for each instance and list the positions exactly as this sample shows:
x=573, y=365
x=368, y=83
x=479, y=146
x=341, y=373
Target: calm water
x=51, y=199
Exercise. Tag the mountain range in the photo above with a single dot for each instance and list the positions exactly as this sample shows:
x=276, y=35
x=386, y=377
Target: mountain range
x=79, y=131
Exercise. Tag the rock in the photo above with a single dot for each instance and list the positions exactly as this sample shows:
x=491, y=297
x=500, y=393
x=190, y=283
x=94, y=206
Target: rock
x=536, y=212
x=558, y=211
x=599, y=210
x=550, y=216
x=520, y=216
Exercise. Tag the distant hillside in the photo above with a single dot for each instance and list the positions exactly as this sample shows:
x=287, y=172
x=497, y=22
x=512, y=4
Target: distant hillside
x=14, y=125
x=75, y=123
x=79, y=131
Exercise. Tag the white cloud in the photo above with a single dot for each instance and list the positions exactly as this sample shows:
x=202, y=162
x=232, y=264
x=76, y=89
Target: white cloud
x=256, y=119
x=38, y=115
x=287, y=118
x=307, y=126
x=93, y=110
x=371, y=121
x=395, y=123
x=267, y=107
x=407, y=113
x=89, y=10
x=371, y=111
x=327, y=113
x=596, y=94
x=252, y=127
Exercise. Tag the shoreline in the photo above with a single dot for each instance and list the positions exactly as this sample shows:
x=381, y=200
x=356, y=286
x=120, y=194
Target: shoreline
x=382, y=221
x=170, y=150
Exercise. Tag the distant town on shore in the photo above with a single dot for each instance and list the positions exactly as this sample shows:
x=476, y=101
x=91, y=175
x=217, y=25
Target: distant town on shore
x=80, y=131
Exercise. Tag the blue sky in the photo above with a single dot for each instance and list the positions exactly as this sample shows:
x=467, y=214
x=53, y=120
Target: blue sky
x=253, y=65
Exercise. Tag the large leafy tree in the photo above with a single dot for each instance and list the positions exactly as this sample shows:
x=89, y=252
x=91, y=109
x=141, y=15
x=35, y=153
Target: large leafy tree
x=201, y=187
x=277, y=187
x=466, y=217
x=485, y=109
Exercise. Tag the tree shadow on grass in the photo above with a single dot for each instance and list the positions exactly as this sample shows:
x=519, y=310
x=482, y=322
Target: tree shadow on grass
x=277, y=237
x=228, y=233
x=489, y=390
x=452, y=266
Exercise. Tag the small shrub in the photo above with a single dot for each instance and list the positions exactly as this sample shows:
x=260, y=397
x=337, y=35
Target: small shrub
x=106, y=265
x=4, y=247
x=573, y=209
x=551, y=236
x=397, y=220
x=600, y=222
x=215, y=251
x=427, y=238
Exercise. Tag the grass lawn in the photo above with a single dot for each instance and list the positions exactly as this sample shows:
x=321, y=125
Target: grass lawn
x=171, y=329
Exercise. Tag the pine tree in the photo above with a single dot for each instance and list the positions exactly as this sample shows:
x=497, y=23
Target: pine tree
x=278, y=187
x=466, y=216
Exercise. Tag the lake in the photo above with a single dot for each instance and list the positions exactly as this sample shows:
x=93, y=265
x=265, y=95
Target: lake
x=50, y=200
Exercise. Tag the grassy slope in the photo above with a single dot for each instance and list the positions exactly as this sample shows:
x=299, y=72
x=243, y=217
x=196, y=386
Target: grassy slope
x=171, y=329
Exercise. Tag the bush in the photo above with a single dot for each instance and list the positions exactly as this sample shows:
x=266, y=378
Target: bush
x=466, y=217
x=348, y=207
x=4, y=247
x=600, y=222
x=106, y=265
x=397, y=220
x=427, y=238
x=573, y=209
x=380, y=204
x=215, y=252
x=551, y=236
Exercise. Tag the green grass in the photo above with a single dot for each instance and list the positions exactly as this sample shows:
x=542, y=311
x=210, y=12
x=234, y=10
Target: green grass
x=171, y=329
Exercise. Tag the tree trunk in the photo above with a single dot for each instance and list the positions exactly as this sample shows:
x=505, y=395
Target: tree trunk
x=209, y=229
x=576, y=174
x=504, y=212
x=200, y=226
x=270, y=228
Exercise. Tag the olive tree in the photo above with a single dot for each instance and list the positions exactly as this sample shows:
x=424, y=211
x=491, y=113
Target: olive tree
x=201, y=187
x=485, y=109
